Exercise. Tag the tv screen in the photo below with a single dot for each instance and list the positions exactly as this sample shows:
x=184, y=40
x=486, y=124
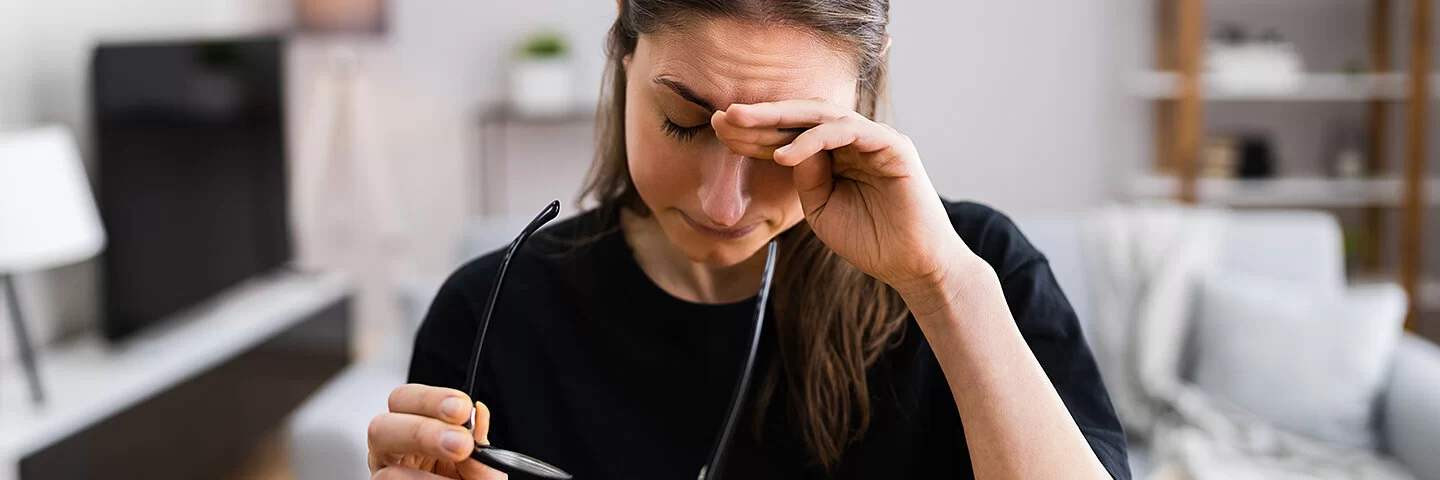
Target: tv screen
x=190, y=150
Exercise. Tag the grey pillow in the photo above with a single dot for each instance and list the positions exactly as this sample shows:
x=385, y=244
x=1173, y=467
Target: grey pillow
x=1305, y=361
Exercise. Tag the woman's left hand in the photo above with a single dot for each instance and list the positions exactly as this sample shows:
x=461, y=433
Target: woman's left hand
x=861, y=183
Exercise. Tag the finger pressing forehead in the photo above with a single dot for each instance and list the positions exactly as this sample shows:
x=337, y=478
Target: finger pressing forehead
x=731, y=133
x=786, y=113
x=446, y=404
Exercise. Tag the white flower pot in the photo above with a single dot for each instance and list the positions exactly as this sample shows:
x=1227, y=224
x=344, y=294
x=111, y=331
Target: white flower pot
x=542, y=87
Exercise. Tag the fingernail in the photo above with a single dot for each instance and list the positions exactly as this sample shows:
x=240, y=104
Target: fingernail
x=451, y=407
x=454, y=441
x=783, y=149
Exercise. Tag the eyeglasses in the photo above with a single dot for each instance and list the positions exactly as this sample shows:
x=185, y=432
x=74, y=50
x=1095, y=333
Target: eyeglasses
x=510, y=462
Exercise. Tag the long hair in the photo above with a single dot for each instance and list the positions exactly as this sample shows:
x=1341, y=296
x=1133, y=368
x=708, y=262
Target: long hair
x=832, y=321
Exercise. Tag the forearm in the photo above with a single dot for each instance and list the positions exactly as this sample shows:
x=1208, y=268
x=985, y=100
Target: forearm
x=1016, y=426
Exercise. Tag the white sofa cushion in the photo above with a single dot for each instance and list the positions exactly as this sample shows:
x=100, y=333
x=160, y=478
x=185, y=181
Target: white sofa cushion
x=1307, y=361
x=1301, y=248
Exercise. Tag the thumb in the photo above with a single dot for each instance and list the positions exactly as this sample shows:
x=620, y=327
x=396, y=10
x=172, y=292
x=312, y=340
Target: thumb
x=482, y=423
x=471, y=469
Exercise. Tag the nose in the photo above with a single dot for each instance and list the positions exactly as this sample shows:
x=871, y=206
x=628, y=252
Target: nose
x=724, y=194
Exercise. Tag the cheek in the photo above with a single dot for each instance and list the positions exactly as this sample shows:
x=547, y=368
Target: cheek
x=658, y=165
x=772, y=187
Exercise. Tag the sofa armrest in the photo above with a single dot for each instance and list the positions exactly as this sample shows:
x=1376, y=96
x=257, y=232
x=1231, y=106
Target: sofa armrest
x=1411, y=415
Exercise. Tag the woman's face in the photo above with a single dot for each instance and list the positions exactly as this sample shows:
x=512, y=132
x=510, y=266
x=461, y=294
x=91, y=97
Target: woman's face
x=718, y=207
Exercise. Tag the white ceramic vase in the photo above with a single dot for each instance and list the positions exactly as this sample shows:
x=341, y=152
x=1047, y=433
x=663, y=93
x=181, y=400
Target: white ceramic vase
x=542, y=87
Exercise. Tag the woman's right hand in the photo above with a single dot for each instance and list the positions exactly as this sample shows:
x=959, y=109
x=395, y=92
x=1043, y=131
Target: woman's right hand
x=422, y=436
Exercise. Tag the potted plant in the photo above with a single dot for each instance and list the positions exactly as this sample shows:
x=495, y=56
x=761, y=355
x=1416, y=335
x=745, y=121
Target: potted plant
x=542, y=76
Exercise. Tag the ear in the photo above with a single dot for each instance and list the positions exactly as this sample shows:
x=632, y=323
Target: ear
x=625, y=61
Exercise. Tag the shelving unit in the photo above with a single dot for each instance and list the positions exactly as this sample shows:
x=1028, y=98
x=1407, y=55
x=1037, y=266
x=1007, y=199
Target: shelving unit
x=494, y=125
x=1313, y=87
x=1180, y=92
x=1317, y=192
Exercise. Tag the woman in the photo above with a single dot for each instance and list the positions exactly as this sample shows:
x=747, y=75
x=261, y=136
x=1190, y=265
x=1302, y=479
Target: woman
x=910, y=337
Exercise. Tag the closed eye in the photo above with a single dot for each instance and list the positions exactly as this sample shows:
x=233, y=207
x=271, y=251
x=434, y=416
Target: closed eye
x=679, y=132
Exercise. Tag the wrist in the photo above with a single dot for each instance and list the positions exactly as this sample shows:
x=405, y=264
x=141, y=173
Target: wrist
x=962, y=276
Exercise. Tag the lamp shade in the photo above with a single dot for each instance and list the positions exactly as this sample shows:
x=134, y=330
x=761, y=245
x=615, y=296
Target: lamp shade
x=47, y=212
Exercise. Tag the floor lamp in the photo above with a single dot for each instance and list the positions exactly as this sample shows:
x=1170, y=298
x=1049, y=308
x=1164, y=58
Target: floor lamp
x=47, y=219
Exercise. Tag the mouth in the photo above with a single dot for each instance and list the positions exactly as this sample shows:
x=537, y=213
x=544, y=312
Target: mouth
x=721, y=233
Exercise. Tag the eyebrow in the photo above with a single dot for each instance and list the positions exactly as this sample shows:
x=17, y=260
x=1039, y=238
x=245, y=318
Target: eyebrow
x=686, y=93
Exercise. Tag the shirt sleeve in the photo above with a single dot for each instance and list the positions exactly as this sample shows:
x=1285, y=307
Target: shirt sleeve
x=1050, y=327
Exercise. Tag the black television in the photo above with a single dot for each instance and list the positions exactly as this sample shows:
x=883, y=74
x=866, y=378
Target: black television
x=189, y=145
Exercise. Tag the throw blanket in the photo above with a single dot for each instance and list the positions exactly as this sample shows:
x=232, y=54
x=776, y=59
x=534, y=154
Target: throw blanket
x=1144, y=264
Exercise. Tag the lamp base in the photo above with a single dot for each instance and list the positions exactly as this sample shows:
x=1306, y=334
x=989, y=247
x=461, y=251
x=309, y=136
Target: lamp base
x=22, y=339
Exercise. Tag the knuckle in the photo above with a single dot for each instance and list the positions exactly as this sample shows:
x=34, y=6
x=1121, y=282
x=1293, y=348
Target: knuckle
x=417, y=432
x=753, y=136
x=726, y=134
x=399, y=395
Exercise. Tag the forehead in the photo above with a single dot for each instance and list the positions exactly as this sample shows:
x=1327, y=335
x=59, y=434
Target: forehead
x=733, y=62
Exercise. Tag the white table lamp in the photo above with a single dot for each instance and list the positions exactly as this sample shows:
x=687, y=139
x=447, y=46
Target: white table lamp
x=47, y=217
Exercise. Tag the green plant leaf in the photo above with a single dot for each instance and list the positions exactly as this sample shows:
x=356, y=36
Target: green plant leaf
x=544, y=45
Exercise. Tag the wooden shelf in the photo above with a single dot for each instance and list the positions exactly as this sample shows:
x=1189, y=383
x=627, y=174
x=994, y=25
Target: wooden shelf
x=1290, y=3
x=1282, y=192
x=1429, y=300
x=1313, y=87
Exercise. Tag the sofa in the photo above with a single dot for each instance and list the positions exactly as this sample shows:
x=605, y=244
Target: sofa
x=1298, y=248
x=326, y=437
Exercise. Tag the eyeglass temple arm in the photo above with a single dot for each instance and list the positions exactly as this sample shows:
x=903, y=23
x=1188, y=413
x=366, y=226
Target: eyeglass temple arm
x=711, y=470
x=549, y=213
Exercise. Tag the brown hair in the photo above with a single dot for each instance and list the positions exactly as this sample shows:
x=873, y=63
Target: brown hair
x=832, y=321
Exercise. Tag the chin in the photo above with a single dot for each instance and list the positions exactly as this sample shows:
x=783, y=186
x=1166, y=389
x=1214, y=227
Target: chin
x=710, y=251
x=719, y=254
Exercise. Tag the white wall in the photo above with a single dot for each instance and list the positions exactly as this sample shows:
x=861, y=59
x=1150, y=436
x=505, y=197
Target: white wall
x=14, y=94
x=1007, y=101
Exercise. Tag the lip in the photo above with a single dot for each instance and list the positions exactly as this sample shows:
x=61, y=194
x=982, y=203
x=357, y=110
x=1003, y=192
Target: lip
x=728, y=233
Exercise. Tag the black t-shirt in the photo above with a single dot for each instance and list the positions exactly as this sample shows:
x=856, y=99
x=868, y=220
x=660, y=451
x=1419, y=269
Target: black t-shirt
x=590, y=366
